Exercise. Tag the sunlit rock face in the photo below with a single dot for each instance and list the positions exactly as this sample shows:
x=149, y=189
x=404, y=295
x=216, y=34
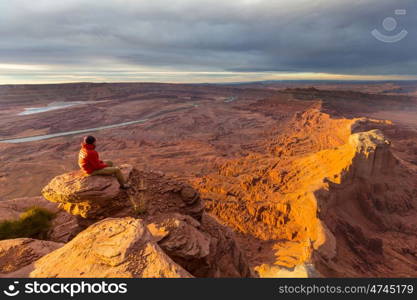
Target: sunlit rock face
x=110, y=248
x=300, y=203
x=86, y=196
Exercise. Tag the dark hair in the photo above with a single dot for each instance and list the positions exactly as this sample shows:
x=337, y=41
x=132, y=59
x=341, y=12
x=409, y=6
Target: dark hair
x=89, y=139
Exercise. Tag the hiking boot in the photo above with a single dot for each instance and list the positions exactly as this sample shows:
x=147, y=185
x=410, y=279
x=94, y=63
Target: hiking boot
x=125, y=186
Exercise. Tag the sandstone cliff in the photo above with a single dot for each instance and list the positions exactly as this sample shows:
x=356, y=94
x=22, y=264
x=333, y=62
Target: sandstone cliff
x=322, y=199
x=327, y=197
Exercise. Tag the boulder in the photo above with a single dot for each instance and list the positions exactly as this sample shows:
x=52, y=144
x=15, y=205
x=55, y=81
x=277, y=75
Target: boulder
x=178, y=235
x=121, y=247
x=65, y=227
x=205, y=249
x=17, y=255
x=92, y=197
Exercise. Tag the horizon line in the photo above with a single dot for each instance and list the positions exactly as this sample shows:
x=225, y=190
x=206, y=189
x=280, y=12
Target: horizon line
x=214, y=82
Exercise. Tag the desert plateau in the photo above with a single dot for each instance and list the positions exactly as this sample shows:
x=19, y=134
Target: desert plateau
x=262, y=179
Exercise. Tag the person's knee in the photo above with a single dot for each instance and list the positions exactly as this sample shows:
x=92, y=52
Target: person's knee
x=114, y=170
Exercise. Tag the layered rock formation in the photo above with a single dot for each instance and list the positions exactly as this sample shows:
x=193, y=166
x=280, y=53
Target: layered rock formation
x=205, y=249
x=296, y=203
x=371, y=213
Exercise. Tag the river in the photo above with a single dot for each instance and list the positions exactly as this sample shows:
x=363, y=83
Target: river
x=73, y=132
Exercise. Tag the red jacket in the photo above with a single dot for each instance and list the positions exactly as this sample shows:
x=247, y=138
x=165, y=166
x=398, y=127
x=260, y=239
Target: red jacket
x=88, y=159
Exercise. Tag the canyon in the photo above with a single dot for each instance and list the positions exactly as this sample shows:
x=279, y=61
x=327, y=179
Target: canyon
x=291, y=180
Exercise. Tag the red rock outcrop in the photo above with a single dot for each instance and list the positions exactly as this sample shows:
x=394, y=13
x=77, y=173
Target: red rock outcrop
x=110, y=248
x=205, y=249
x=86, y=196
x=371, y=214
x=298, y=201
x=174, y=213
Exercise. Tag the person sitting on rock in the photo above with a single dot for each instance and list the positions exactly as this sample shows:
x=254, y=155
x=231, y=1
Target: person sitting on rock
x=89, y=162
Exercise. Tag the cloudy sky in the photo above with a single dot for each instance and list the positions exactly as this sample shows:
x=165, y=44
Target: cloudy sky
x=205, y=40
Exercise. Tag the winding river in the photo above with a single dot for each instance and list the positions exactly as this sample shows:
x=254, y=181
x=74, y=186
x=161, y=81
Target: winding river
x=54, y=135
x=74, y=132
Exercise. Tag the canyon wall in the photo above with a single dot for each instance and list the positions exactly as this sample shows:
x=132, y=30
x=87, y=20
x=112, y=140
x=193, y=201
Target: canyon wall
x=322, y=198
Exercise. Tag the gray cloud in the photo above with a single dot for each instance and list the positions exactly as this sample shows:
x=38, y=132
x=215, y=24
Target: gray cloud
x=330, y=36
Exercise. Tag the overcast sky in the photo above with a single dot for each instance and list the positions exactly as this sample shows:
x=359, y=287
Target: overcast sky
x=204, y=40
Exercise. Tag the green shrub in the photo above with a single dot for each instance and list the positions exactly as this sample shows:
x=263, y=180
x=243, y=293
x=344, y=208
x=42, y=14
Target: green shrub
x=33, y=223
